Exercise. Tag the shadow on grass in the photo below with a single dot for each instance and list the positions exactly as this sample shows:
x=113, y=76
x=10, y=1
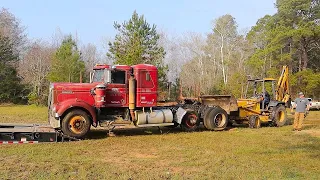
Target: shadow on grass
x=134, y=131
x=103, y=133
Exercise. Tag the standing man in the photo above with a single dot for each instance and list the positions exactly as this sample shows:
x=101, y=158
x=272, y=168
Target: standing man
x=301, y=105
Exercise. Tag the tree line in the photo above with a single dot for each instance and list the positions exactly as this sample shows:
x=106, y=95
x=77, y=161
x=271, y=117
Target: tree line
x=219, y=62
x=222, y=61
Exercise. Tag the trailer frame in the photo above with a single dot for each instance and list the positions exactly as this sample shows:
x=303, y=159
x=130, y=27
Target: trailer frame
x=18, y=133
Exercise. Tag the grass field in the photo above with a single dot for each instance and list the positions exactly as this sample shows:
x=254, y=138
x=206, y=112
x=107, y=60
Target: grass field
x=240, y=153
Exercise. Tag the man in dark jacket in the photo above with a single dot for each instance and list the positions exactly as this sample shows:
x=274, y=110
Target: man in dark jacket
x=264, y=99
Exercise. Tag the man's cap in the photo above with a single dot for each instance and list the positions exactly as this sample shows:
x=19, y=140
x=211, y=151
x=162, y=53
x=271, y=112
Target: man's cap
x=300, y=93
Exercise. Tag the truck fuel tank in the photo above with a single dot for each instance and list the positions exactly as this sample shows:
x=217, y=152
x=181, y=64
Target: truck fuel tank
x=158, y=116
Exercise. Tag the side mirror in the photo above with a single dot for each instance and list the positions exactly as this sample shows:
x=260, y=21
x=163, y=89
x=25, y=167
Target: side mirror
x=91, y=76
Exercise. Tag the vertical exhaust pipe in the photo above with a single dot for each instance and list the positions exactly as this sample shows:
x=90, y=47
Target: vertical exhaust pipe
x=132, y=95
x=181, y=98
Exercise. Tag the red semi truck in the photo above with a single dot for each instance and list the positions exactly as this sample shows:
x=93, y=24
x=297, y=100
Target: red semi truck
x=124, y=94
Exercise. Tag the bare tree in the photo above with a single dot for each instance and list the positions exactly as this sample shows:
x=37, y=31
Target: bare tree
x=194, y=61
x=34, y=69
x=172, y=57
x=11, y=27
x=225, y=30
x=57, y=38
x=90, y=55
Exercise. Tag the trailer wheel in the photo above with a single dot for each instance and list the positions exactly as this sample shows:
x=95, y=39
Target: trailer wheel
x=190, y=121
x=279, y=116
x=76, y=124
x=254, y=122
x=216, y=119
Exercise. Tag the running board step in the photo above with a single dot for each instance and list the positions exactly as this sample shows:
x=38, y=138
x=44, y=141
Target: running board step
x=155, y=125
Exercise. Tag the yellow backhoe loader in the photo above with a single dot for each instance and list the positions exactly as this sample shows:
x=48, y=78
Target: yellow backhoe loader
x=265, y=107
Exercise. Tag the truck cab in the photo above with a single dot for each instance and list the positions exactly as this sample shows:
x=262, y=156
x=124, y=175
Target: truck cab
x=74, y=107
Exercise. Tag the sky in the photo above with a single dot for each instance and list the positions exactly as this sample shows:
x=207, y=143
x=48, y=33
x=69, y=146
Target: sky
x=92, y=20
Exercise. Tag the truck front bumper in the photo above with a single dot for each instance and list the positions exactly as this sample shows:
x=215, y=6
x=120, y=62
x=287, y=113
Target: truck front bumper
x=54, y=120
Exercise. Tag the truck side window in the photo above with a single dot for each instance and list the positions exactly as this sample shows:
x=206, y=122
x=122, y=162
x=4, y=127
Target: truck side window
x=118, y=77
x=145, y=79
x=147, y=76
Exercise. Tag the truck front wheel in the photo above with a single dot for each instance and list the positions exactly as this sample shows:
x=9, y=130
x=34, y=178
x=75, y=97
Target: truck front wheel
x=76, y=124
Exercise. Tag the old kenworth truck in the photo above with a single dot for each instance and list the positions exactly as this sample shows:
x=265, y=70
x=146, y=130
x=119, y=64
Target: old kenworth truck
x=122, y=94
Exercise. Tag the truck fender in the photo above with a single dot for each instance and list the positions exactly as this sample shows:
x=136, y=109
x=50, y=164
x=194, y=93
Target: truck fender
x=179, y=115
x=73, y=103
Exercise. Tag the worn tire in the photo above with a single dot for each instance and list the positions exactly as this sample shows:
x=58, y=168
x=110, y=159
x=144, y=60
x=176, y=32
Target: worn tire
x=254, y=122
x=76, y=124
x=279, y=116
x=215, y=119
x=190, y=121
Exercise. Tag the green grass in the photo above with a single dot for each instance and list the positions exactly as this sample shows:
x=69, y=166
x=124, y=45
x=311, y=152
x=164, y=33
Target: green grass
x=23, y=114
x=240, y=153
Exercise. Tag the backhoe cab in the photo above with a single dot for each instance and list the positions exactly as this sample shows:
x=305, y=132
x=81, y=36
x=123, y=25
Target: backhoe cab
x=262, y=95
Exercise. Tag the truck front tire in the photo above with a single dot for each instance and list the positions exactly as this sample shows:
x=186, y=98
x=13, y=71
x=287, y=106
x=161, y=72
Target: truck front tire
x=76, y=124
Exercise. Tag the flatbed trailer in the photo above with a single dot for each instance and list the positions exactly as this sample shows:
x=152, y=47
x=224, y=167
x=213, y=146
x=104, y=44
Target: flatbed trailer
x=16, y=133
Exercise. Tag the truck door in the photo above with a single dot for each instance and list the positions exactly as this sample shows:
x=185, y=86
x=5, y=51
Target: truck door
x=116, y=95
x=146, y=90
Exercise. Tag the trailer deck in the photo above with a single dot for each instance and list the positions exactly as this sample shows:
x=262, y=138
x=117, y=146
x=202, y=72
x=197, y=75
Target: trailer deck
x=14, y=133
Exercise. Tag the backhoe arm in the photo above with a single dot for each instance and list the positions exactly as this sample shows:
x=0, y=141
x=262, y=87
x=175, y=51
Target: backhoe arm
x=282, y=89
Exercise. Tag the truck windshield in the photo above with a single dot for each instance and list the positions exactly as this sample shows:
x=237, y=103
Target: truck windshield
x=101, y=75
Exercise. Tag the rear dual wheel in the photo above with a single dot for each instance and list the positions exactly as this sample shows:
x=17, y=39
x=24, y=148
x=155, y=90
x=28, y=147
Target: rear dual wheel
x=215, y=119
x=190, y=121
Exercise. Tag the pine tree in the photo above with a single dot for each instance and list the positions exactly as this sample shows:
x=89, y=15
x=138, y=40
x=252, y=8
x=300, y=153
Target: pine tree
x=10, y=88
x=66, y=64
x=138, y=43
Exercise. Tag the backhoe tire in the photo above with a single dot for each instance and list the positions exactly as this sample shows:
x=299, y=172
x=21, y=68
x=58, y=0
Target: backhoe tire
x=190, y=121
x=76, y=124
x=254, y=121
x=215, y=119
x=279, y=116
